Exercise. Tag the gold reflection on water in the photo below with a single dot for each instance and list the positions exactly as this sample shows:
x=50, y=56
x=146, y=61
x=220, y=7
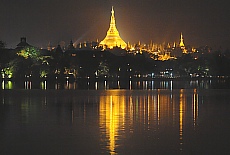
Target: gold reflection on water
x=131, y=113
x=181, y=111
x=112, y=109
x=155, y=104
x=181, y=118
x=121, y=114
x=195, y=108
x=148, y=112
x=158, y=108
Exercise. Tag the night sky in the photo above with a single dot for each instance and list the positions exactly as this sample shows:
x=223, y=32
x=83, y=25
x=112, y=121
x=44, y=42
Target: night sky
x=203, y=22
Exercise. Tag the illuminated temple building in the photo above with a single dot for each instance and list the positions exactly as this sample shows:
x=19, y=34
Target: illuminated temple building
x=113, y=38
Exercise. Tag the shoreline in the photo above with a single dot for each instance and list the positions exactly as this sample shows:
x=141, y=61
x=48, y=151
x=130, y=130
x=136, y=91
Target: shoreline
x=117, y=79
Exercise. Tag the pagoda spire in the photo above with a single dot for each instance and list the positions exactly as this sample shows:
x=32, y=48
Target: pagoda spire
x=113, y=38
x=181, y=40
x=112, y=12
x=112, y=28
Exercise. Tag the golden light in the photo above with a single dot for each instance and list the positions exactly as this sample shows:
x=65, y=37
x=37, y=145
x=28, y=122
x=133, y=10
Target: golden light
x=113, y=38
x=112, y=117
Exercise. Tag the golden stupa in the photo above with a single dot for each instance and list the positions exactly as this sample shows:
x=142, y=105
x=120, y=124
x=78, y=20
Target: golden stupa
x=181, y=41
x=113, y=38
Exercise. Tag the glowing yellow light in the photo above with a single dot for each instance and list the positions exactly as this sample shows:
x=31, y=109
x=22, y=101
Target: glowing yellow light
x=9, y=85
x=181, y=112
x=181, y=41
x=3, y=84
x=112, y=117
x=195, y=107
x=113, y=38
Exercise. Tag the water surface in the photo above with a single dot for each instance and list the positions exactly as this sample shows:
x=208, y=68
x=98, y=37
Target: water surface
x=118, y=121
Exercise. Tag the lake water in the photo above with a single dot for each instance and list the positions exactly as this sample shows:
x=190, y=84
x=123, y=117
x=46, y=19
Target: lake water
x=172, y=119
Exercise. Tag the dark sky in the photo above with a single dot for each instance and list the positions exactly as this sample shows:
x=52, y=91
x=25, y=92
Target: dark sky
x=203, y=22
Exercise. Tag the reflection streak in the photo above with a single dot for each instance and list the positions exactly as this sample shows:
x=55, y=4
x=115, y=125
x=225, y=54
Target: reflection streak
x=124, y=112
x=3, y=84
x=195, y=108
x=112, y=109
x=121, y=114
x=28, y=85
x=181, y=118
x=7, y=85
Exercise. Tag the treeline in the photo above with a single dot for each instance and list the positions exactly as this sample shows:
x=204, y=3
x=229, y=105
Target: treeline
x=30, y=62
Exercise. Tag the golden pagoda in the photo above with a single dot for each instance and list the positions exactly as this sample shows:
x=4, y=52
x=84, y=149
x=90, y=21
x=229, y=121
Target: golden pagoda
x=181, y=41
x=182, y=46
x=113, y=38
